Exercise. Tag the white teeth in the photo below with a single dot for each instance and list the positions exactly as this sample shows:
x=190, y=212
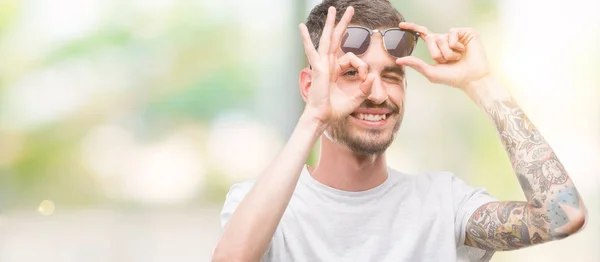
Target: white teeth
x=370, y=117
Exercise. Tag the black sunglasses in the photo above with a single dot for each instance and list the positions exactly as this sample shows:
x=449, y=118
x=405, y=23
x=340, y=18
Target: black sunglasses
x=397, y=42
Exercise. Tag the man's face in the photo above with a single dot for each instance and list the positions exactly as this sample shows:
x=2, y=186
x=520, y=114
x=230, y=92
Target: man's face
x=371, y=128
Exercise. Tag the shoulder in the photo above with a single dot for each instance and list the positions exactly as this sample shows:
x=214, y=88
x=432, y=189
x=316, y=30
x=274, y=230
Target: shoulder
x=446, y=180
x=444, y=184
x=234, y=196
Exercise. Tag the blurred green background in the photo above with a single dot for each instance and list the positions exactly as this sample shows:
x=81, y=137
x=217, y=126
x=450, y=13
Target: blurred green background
x=123, y=123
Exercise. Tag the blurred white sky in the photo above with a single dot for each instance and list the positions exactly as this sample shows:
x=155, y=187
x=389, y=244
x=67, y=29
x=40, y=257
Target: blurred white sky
x=551, y=54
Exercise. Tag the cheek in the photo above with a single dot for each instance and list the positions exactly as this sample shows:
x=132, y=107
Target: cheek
x=396, y=94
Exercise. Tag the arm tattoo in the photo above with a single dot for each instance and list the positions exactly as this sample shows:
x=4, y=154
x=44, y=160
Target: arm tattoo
x=553, y=209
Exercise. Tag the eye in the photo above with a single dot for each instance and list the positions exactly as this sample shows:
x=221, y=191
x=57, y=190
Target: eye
x=350, y=73
x=393, y=78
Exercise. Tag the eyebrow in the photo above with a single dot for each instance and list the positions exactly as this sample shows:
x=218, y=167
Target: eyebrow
x=393, y=69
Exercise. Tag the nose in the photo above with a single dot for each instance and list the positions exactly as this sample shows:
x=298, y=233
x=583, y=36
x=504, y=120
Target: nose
x=378, y=92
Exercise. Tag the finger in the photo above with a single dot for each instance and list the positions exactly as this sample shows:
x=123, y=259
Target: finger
x=366, y=86
x=423, y=31
x=418, y=65
x=351, y=60
x=325, y=41
x=447, y=52
x=465, y=35
x=309, y=47
x=434, y=50
x=453, y=41
x=340, y=29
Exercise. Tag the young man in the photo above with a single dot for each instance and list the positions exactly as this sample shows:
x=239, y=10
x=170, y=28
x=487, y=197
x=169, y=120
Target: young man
x=351, y=206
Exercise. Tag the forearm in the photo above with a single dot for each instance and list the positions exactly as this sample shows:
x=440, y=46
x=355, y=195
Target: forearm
x=248, y=234
x=555, y=207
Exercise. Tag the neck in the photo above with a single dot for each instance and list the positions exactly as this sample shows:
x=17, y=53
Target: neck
x=341, y=168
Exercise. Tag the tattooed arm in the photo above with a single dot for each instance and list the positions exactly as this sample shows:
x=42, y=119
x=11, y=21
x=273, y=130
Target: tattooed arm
x=554, y=209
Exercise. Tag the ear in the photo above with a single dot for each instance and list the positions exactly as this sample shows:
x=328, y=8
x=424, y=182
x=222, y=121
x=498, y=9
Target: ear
x=305, y=82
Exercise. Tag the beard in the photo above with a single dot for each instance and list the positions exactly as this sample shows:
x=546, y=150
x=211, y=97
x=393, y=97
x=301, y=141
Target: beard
x=372, y=141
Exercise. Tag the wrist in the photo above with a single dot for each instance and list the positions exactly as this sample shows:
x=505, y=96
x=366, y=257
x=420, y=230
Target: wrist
x=487, y=91
x=309, y=121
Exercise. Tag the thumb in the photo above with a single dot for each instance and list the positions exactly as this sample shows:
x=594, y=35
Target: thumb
x=417, y=64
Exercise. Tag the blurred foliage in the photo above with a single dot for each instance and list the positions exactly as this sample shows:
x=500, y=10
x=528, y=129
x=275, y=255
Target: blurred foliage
x=86, y=46
x=184, y=67
x=8, y=9
x=223, y=89
x=204, y=78
x=50, y=168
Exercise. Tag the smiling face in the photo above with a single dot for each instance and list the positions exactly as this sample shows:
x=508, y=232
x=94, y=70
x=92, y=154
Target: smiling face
x=371, y=128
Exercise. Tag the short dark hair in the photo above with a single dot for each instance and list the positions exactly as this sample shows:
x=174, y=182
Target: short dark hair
x=368, y=13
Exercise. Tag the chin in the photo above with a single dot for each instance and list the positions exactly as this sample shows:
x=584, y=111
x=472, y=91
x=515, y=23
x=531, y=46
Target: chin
x=370, y=142
x=365, y=139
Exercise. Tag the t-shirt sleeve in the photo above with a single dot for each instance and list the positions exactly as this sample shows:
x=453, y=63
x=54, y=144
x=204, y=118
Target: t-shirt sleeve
x=467, y=199
x=236, y=194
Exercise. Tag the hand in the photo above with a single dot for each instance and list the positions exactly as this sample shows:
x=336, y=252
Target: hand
x=460, y=57
x=325, y=99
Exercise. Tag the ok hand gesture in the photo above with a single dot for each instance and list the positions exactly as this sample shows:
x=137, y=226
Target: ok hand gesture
x=459, y=54
x=325, y=99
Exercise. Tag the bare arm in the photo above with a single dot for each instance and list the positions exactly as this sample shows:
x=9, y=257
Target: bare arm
x=248, y=234
x=554, y=209
x=249, y=231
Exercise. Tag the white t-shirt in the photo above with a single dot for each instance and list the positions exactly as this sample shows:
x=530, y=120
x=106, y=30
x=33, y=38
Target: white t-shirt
x=406, y=218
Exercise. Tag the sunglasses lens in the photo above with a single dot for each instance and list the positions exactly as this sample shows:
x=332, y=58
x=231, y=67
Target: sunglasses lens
x=355, y=40
x=399, y=43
